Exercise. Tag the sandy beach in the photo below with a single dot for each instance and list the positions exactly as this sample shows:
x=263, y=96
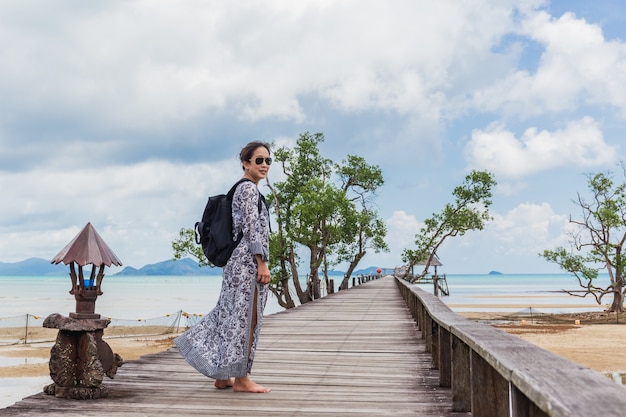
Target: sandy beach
x=585, y=338
x=129, y=348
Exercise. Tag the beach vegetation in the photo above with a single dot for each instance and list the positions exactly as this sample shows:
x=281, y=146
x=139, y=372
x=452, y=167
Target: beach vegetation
x=325, y=216
x=597, y=241
x=185, y=246
x=469, y=211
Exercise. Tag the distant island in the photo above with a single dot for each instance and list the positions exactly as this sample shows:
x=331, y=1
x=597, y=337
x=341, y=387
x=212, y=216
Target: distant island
x=43, y=267
x=33, y=267
x=186, y=266
x=495, y=273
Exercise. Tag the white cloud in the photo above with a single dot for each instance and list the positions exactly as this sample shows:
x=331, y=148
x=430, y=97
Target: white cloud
x=522, y=232
x=152, y=67
x=578, y=66
x=578, y=59
x=401, y=230
x=145, y=63
x=527, y=229
x=580, y=143
x=138, y=209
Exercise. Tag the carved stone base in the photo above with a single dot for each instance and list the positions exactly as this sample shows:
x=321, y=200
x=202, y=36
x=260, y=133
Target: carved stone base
x=79, y=359
x=77, y=393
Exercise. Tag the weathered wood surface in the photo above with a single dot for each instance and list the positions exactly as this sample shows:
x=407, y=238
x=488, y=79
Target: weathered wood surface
x=496, y=374
x=354, y=353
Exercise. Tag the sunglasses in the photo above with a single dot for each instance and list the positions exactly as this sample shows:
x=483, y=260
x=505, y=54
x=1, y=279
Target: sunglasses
x=260, y=160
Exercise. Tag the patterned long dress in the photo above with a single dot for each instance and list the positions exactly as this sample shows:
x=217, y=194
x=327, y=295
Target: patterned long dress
x=217, y=346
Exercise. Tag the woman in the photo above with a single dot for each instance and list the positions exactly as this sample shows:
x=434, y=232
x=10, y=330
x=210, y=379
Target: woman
x=222, y=345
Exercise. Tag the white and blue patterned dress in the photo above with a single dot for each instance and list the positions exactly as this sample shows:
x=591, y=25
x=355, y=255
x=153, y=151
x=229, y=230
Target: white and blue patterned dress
x=217, y=346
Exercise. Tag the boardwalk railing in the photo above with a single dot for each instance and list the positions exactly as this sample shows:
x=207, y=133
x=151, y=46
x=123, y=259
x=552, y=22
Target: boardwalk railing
x=494, y=374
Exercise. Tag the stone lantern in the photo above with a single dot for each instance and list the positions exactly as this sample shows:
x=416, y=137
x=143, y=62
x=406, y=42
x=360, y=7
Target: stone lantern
x=80, y=358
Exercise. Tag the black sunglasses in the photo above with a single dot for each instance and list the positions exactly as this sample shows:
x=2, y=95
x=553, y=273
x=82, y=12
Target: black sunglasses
x=260, y=160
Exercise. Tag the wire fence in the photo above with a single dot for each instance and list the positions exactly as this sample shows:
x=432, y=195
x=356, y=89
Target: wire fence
x=28, y=328
x=531, y=315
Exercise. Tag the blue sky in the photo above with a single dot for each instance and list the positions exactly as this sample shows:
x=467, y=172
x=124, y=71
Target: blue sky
x=128, y=114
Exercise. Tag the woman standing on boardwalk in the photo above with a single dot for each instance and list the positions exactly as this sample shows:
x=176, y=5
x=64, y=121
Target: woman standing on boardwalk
x=222, y=345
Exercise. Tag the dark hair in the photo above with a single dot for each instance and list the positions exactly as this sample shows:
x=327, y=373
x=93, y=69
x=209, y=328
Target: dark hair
x=247, y=151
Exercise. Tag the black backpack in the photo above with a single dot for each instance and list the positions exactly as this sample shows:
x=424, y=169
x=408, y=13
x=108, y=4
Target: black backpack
x=215, y=231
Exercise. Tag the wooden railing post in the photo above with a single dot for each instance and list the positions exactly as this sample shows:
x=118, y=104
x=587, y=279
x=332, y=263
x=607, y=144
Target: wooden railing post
x=461, y=376
x=445, y=358
x=522, y=406
x=490, y=391
x=427, y=332
x=434, y=340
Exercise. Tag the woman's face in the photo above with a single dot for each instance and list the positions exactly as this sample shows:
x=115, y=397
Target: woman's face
x=258, y=167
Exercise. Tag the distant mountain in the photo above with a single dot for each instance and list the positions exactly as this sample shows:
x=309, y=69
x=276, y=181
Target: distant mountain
x=43, y=267
x=187, y=266
x=33, y=267
x=334, y=273
x=184, y=266
x=367, y=271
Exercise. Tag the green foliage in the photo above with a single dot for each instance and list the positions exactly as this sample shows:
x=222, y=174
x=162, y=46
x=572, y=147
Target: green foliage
x=597, y=243
x=185, y=245
x=470, y=211
x=576, y=264
x=324, y=207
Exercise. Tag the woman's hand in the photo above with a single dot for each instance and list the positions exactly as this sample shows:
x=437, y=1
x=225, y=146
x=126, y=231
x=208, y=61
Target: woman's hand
x=263, y=272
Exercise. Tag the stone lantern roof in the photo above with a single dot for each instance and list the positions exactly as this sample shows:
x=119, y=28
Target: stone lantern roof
x=87, y=247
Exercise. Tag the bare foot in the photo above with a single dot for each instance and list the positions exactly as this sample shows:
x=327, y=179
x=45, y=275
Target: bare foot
x=245, y=384
x=224, y=383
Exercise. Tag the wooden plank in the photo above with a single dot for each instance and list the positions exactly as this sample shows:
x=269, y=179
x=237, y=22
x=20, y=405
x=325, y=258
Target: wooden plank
x=354, y=353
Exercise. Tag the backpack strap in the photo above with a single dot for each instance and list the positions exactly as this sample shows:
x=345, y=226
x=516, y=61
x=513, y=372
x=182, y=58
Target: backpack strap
x=231, y=192
x=261, y=196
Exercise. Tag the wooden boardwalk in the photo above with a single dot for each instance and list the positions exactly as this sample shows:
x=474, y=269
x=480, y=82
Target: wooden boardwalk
x=354, y=353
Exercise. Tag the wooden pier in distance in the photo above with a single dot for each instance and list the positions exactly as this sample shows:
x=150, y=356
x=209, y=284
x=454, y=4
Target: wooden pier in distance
x=354, y=353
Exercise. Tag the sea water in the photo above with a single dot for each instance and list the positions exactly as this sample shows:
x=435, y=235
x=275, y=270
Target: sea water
x=133, y=297
x=124, y=297
x=515, y=292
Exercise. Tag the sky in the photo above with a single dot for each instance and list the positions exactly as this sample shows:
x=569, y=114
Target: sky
x=128, y=114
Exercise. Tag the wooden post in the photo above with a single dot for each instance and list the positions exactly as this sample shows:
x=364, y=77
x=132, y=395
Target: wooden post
x=445, y=358
x=461, y=377
x=434, y=341
x=427, y=332
x=26, y=334
x=522, y=406
x=490, y=391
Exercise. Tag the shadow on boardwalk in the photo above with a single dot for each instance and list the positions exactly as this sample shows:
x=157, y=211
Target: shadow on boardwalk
x=354, y=353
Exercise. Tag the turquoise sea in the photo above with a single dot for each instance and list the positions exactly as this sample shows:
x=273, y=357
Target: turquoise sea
x=145, y=297
x=125, y=297
x=516, y=292
x=132, y=297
